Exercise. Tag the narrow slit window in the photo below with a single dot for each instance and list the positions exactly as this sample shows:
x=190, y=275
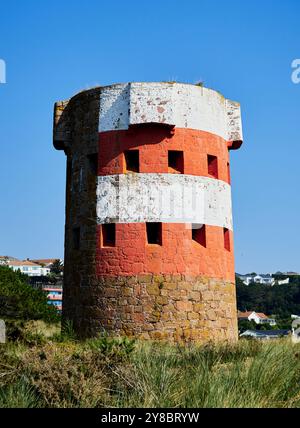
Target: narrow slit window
x=109, y=235
x=154, y=233
x=226, y=239
x=93, y=163
x=228, y=173
x=212, y=165
x=132, y=161
x=76, y=238
x=175, y=162
x=199, y=234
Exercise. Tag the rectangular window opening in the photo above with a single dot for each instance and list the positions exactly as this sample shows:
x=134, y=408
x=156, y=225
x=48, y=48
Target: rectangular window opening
x=132, y=162
x=93, y=163
x=226, y=233
x=228, y=173
x=76, y=238
x=212, y=165
x=109, y=235
x=175, y=162
x=199, y=234
x=154, y=233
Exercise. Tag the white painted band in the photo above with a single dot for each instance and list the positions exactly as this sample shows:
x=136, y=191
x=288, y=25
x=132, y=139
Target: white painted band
x=167, y=198
x=175, y=104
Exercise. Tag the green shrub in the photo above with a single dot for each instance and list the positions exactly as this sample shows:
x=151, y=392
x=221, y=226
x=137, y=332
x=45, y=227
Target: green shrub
x=66, y=375
x=111, y=347
x=19, y=300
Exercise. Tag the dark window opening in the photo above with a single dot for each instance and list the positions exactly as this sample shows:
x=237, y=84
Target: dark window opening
x=154, y=233
x=226, y=239
x=93, y=163
x=175, y=161
x=212, y=163
x=132, y=162
x=76, y=238
x=109, y=235
x=199, y=234
x=228, y=173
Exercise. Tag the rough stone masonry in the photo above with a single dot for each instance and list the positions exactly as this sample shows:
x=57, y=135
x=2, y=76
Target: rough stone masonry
x=148, y=233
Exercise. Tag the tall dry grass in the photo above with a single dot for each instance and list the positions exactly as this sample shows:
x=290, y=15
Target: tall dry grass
x=104, y=372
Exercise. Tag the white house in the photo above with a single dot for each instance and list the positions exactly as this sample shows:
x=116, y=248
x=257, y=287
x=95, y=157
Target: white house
x=29, y=268
x=46, y=263
x=295, y=317
x=257, y=279
x=257, y=317
x=283, y=281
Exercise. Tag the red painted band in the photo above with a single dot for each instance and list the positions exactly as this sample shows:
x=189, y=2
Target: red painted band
x=154, y=142
x=178, y=254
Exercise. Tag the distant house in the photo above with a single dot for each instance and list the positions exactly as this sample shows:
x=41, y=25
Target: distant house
x=27, y=267
x=265, y=334
x=44, y=262
x=54, y=296
x=257, y=317
x=47, y=263
x=283, y=281
x=295, y=317
x=257, y=279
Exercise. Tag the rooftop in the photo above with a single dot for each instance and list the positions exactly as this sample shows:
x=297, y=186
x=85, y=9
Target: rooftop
x=22, y=263
x=248, y=313
x=265, y=333
x=44, y=261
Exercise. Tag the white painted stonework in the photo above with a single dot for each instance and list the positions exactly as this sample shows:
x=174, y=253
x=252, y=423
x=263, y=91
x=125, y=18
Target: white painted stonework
x=174, y=104
x=114, y=107
x=167, y=198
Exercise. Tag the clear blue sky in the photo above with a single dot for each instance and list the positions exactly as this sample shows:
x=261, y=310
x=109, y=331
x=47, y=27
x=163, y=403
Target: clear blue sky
x=244, y=49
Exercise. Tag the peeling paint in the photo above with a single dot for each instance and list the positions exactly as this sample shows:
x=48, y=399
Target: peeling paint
x=184, y=106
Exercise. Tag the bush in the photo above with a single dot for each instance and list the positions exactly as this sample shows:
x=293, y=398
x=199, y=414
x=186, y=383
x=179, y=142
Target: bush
x=112, y=348
x=244, y=325
x=18, y=300
x=66, y=375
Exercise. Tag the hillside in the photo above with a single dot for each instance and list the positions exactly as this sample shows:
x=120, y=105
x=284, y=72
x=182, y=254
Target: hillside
x=281, y=300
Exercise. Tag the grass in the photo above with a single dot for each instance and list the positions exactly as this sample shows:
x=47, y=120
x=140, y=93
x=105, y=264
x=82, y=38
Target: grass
x=62, y=372
x=19, y=395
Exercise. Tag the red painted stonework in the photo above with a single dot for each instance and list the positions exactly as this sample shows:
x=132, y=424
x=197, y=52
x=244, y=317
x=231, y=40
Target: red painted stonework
x=178, y=254
x=153, y=144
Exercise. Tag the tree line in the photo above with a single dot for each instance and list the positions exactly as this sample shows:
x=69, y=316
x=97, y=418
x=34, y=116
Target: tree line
x=281, y=300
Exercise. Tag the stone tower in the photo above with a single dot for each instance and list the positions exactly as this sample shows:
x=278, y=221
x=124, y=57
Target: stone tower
x=148, y=235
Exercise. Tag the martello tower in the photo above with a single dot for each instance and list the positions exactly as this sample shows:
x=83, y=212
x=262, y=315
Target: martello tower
x=148, y=236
